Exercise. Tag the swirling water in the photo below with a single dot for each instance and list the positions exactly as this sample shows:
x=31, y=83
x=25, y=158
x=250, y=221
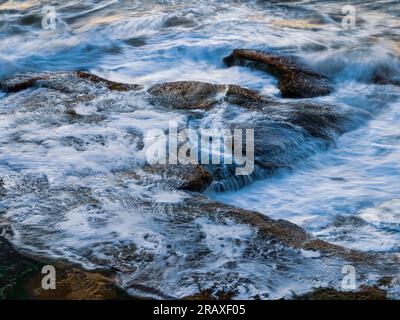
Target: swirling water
x=349, y=194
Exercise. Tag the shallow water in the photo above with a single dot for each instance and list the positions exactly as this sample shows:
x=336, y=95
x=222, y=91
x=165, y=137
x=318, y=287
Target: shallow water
x=60, y=173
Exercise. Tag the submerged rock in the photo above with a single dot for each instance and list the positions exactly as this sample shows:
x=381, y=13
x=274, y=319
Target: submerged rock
x=179, y=21
x=21, y=82
x=285, y=132
x=294, y=81
x=186, y=177
x=136, y=41
x=29, y=80
x=244, y=97
x=281, y=130
x=383, y=79
x=283, y=231
x=14, y=269
x=112, y=85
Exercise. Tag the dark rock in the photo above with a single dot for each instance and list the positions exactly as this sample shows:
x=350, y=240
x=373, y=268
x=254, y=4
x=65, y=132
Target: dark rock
x=21, y=82
x=177, y=21
x=384, y=79
x=364, y=293
x=240, y=96
x=302, y=85
x=343, y=221
x=386, y=281
x=186, y=177
x=28, y=80
x=187, y=94
x=283, y=231
x=20, y=278
x=201, y=95
x=282, y=133
x=74, y=283
x=209, y=294
x=294, y=81
x=290, y=234
x=136, y=42
x=31, y=20
x=280, y=129
x=112, y=85
x=14, y=270
x=319, y=121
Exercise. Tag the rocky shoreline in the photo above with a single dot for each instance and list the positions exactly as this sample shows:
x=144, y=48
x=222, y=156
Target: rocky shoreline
x=20, y=279
x=317, y=125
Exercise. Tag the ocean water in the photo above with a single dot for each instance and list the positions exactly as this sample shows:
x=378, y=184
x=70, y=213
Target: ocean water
x=60, y=173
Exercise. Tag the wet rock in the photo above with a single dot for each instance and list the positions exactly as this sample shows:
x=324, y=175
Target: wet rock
x=240, y=96
x=284, y=134
x=187, y=94
x=136, y=41
x=280, y=129
x=319, y=121
x=60, y=81
x=294, y=81
x=283, y=231
x=186, y=177
x=179, y=21
x=302, y=85
x=72, y=116
x=21, y=82
x=364, y=293
x=33, y=20
x=290, y=234
x=20, y=278
x=14, y=270
x=76, y=284
x=279, y=230
x=202, y=95
x=209, y=294
x=343, y=221
x=112, y=85
x=387, y=281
